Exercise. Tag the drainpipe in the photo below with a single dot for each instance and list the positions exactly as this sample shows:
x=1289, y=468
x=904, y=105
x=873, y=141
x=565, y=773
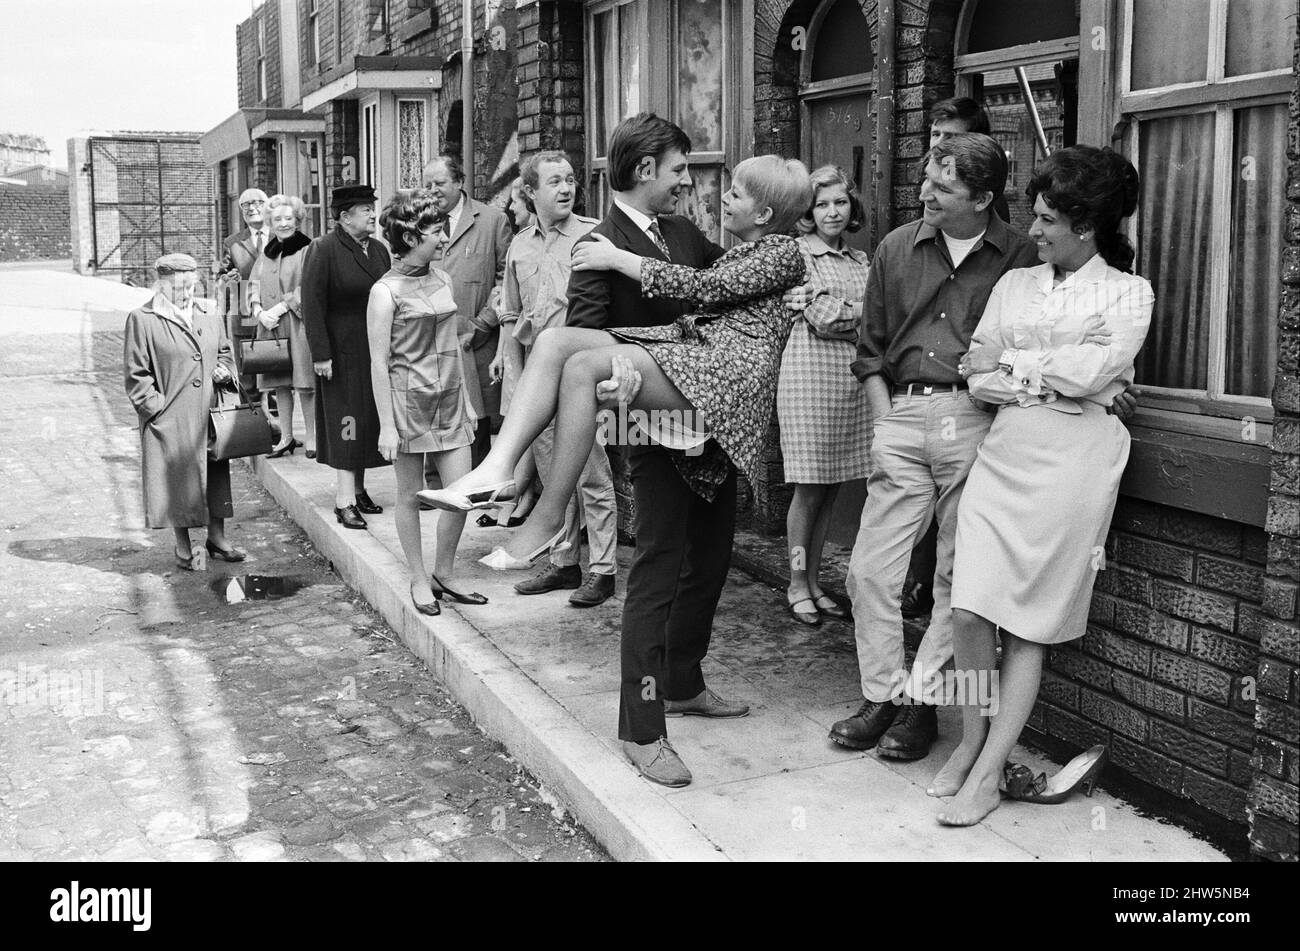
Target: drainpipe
x=467, y=93
x=884, y=174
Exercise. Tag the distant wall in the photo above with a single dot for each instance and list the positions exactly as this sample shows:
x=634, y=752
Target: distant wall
x=34, y=223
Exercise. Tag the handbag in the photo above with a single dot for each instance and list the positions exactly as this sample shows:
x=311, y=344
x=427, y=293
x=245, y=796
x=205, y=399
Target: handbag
x=236, y=430
x=265, y=355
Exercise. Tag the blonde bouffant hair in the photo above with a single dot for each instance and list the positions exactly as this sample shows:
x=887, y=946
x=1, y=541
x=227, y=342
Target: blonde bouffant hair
x=778, y=183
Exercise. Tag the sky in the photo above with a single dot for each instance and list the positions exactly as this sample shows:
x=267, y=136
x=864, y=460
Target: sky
x=72, y=65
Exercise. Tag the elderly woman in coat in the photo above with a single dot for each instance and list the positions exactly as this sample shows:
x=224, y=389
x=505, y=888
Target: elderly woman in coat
x=175, y=351
x=275, y=300
x=337, y=275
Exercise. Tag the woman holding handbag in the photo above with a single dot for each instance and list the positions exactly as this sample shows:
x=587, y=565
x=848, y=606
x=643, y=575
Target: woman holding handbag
x=175, y=352
x=823, y=410
x=275, y=300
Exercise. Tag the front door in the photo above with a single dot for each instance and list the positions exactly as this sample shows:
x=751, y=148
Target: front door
x=839, y=133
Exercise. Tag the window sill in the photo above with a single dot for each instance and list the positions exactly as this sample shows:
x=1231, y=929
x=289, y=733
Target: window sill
x=420, y=23
x=1199, y=472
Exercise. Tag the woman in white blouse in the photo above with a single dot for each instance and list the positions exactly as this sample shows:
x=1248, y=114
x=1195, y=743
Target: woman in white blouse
x=1054, y=347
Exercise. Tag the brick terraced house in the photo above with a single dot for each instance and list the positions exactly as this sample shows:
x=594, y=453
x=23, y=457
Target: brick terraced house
x=1189, y=667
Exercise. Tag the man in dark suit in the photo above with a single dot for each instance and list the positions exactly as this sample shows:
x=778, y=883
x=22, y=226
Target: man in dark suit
x=240, y=252
x=683, y=543
x=478, y=237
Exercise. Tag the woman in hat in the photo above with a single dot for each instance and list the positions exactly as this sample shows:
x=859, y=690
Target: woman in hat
x=175, y=350
x=340, y=269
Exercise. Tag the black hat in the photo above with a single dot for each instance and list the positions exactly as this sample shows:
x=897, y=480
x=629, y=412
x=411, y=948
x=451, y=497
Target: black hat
x=345, y=196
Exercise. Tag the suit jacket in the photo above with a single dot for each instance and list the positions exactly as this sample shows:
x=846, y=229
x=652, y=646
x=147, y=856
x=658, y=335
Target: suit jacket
x=168, y=379
x=602, y=299
x=476, y=260
x=242, y=250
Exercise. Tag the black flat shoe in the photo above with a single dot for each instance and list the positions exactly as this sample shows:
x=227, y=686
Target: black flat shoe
x=349, y=517
x=439, y=589
x=224, y=554
x=365, y=505
x=829, y=607
x=185, y=563
x=432, y=609
x=812, y=618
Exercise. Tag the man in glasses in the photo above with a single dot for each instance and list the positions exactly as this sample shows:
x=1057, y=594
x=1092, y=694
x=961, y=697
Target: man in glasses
x=242, y=250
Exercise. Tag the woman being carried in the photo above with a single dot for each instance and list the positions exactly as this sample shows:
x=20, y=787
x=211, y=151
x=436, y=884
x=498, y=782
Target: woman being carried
x=716, y=369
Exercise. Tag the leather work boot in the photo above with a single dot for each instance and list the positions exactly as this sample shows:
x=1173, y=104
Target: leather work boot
x=863, y=730
x=658, y=762
x=913, y=732
x=551, y=578
x=596, y=589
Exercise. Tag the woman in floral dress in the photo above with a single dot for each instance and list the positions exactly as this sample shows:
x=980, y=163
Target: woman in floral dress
x=709, y=376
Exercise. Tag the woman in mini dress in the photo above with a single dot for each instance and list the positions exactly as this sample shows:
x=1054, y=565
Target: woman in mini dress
x=1055, y=346
x=710, y=375
x=420, y=395
x=823, y=409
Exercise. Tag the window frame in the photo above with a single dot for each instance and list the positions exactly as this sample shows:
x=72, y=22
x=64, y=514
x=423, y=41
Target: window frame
x=261, y=59
x=313, y=32
x=369, y=143
x=1218, y=414
x=426, y=150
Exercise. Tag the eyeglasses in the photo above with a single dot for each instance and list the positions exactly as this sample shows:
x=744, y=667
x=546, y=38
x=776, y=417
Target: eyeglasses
x=255, y=203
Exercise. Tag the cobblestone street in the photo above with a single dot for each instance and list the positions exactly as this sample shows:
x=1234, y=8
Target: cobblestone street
x=151, y=713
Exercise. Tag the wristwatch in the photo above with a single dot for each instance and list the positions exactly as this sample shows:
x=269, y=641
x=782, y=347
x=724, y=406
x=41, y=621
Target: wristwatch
x=1008, y=360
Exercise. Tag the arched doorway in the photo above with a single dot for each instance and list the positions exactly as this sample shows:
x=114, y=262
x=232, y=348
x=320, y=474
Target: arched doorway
x=835, y=90
x=994, y=40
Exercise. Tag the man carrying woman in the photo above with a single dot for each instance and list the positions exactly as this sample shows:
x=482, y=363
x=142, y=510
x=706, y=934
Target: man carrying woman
x=715, y=369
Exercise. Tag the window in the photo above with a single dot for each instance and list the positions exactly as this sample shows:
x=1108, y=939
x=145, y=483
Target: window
x=1204, y=86
x=379, y=18
x=412, y=141
x=693, y=79
x=261, y=59
x=309, y=182
x=313, y=32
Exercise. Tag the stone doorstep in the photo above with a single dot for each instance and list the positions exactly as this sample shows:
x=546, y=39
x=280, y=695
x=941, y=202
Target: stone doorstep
x=632, y=821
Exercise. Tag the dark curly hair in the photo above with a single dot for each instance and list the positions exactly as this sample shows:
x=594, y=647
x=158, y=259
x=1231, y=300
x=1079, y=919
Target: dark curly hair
x=1096, y=189
x=407, y=214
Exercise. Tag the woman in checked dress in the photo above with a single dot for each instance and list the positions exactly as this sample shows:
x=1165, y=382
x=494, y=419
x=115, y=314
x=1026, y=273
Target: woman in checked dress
x=715, y=369
x=824, y=413
x=1054, y=347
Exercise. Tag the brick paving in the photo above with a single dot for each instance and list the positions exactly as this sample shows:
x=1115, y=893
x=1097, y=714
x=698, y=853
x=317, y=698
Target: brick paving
x=142, y=716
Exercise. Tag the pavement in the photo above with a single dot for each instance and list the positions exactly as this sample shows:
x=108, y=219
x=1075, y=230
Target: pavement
x=541, y=678
x=251, y=712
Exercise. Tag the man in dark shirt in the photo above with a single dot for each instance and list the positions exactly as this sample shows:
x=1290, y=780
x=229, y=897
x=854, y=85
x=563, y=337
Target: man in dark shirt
x=926, y=292
x=683, y=543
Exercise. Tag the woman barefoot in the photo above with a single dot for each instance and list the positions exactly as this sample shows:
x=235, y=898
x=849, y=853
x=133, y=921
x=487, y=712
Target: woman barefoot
x=713, y=372
x=415, y=370
x=1039, y=499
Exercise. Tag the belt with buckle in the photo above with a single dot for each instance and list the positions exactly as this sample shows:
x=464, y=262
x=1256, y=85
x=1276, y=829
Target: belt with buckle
x=927, y=389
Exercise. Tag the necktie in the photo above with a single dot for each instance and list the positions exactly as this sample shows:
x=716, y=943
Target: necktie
x=660, y=243
x=257, y=242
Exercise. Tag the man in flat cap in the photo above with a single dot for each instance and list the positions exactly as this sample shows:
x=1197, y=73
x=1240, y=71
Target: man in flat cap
x=339, y=270
x=241, y=251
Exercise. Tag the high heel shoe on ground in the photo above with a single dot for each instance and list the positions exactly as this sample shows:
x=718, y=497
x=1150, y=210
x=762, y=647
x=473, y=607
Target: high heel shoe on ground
x=224, y=554
x=439, y=589
x=431, y=609
x=1082, y=772
x=487, y=497
x=829, y=607
x=349, y=517
x=366, y=506
x=285, y=449
x=185, y=563
x=502, y=560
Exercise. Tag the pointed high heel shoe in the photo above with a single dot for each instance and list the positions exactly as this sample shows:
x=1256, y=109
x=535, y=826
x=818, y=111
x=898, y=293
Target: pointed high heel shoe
x=502, y=560
x=487, y=497
x=284, y=450
x=439, y=589
x=1082, y=772
x=224, y=554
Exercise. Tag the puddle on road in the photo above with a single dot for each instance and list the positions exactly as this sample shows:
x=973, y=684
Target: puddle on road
x=240, y=588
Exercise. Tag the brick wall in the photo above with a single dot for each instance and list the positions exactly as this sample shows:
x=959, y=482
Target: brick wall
x=1162, y=673
x=246, y=58
x=265, y=173
x=1272, y=807
x=35, y=223
x=548, y=73
x=341, y=142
